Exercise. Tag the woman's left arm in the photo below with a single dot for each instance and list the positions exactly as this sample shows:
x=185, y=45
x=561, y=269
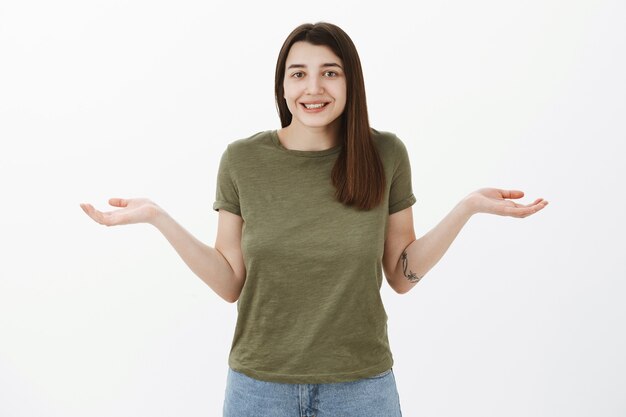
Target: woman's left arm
x=406, y=259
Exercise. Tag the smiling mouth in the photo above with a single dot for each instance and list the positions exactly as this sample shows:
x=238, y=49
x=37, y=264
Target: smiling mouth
x=312, y=106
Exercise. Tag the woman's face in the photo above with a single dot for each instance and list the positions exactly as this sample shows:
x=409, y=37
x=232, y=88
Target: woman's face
x=314, y=84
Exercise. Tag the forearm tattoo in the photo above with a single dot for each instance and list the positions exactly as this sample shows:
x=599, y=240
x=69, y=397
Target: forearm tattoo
x=411, y=275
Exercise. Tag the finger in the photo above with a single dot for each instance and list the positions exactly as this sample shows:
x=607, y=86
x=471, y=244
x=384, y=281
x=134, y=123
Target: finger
x=540, y=202
x=98, y=216
x=87, y=208
x=512, y=193
x=518, y=211
x=534, y=203
x=91, y=211
x=520, y=206
x=524, y=211
x=118, y=202
x=84, y=207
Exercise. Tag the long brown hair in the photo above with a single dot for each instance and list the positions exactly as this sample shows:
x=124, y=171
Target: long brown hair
x=358, y=174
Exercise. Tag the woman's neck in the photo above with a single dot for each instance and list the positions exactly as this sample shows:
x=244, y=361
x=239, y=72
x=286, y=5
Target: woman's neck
x=305, y=138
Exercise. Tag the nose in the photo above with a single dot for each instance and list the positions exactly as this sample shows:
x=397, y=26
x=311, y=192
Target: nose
x=314, y=86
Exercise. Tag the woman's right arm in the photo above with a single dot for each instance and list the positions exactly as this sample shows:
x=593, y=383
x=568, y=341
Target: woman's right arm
x=221, y=268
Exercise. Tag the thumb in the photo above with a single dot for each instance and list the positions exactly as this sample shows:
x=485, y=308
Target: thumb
x=512, y=193
x=118, y=202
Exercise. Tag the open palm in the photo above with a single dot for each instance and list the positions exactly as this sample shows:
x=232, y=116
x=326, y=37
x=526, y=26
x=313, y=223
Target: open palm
x=135, y=210
x=494, y=201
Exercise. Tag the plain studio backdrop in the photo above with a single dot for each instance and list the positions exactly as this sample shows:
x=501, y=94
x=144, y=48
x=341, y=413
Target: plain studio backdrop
x=100, y=99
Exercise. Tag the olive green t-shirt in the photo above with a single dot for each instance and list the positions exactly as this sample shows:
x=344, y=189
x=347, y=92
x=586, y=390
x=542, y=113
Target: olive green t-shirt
x=310, y=310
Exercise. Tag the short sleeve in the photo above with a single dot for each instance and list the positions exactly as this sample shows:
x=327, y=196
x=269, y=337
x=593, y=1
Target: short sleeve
x=226, y=192
x=401, y=192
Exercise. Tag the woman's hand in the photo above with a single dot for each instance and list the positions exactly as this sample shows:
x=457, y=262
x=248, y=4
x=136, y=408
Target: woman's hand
x=493, y=201
x=135, y=210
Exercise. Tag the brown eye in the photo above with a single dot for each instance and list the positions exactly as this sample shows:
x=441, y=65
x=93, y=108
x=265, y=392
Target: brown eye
x=331, y=74
x=297, y=75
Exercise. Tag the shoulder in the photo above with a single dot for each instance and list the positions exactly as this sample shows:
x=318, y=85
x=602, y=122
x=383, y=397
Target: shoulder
x=250, y=147
x=387, y=143
x=252, y=141
x=383, y=137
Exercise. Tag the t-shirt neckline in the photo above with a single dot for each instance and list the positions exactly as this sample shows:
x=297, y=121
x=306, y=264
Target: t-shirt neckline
x=309, y=154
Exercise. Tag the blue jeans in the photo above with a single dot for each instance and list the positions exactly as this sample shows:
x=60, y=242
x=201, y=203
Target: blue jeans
x=375, y=396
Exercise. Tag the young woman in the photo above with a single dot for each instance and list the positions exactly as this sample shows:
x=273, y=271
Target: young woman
x=309, y=217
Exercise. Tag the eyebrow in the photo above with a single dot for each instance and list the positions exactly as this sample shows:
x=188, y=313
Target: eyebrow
x=328, y=64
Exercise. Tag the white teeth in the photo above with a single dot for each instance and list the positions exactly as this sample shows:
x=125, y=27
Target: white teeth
x=314, y=106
